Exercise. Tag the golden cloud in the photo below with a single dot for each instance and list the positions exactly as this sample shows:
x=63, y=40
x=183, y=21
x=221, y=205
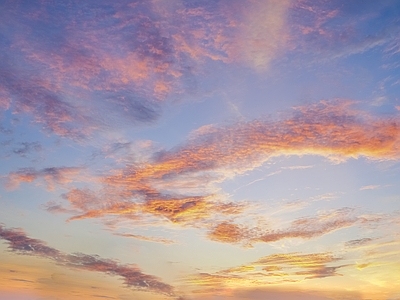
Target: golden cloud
x=272, y=269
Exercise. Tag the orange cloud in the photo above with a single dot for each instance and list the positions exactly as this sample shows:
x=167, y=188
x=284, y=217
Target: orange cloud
x=272, y=269
x=305, y=228
x=330, y=129
x=185, y=211
x=227, y=233
x=166, y=184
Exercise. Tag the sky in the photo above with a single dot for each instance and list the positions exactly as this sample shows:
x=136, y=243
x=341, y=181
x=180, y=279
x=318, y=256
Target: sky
x=187, y=150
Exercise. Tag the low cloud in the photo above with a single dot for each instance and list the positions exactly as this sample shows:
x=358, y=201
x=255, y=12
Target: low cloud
x=133, y=277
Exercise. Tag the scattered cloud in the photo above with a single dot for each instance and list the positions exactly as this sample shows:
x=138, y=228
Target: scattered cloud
x=165, y=186
x=133, y=277
x=51, y=176
x=89, y=71
x=272, y=269
x=161, y=51
x=337, y=30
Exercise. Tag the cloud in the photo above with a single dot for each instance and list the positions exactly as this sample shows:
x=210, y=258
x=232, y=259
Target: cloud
x=330, y=129
x=369, y=187
x=180, y=185
x=36, y=96
x=189, y=211
x=20, y=243
x=297, y=167
x=146, y=238
x=272, y=269
x=305, y=228
x=336, y=30
x=133, y=277
x=263, y=293
x=227, y=233
x=52, y=176
x=77, y=58
x=26, y=148
x=263, y=34
x=78, y=73
x=358, y=242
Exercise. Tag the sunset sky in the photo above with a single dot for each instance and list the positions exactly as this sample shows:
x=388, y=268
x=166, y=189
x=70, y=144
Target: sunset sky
x=200, y=149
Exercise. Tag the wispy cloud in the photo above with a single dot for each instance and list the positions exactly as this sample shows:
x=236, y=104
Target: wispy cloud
x=146, y=238
x=358, y=242
x=369, y=187
x=26, y=148
x=305, y=228
x=185, y=211
x=329, y=30
x=51, y=176
x=263, y=35
x=132, y=275
x=272, y=269
x=297, y=167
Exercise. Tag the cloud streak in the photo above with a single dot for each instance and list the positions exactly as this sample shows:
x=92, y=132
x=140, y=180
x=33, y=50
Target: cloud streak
x=272, y=269
x=133, y=277
x=304, y=228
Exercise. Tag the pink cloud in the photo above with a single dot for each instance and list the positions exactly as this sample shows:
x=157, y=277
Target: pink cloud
x=51, y=176
x=133, y=277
